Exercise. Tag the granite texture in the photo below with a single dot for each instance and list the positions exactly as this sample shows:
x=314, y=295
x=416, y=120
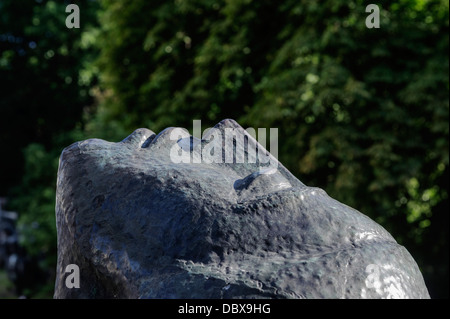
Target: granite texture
x=140, y=226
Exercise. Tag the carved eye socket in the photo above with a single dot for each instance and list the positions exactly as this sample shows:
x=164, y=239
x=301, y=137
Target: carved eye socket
x=261, y=182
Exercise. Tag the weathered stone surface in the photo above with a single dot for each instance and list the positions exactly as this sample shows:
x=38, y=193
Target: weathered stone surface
x=140, y=226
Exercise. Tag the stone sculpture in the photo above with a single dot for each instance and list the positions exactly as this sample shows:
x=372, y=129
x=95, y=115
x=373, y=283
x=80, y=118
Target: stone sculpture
x=140, y=226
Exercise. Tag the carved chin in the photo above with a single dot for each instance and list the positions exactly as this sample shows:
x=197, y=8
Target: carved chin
x=170, y=216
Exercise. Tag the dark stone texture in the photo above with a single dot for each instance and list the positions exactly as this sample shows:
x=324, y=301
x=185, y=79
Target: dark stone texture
x=140, y=226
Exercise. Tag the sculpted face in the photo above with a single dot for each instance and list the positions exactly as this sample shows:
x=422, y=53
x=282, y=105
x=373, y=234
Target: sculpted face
x=141, y=224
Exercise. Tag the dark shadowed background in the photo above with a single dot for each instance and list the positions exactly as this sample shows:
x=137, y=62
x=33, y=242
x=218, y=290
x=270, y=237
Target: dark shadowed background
x=362, y=113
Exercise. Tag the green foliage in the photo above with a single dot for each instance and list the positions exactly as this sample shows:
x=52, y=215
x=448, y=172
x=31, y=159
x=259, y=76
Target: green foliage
x=42, y=93
x=37, y=199
x=6, y=287
x=45, y=87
